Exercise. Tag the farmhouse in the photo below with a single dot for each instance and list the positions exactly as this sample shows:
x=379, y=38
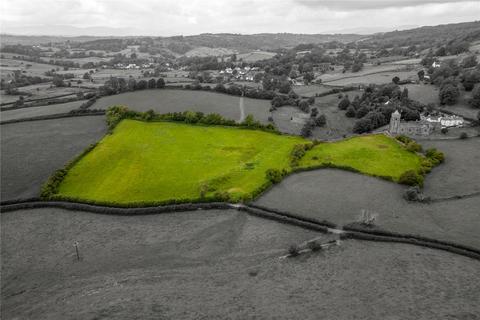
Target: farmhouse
x=419, y=128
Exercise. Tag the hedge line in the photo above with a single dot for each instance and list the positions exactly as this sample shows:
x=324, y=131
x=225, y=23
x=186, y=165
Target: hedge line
x=429, y=244
x=114, y=210
x=324, y=223
x=73, y=113
x=355, y=227
x=117, y=113
x=283, y=219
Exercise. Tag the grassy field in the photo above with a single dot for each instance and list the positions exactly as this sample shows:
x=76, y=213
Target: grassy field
x=220, y=262
x=376, y=155
x=169, y=100
x=40, y=111
x=32, y=151
x=339, y=196
x=162, y=161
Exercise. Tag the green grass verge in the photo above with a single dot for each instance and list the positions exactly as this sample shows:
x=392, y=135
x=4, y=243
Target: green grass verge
x=375, y=155
x=161, y=161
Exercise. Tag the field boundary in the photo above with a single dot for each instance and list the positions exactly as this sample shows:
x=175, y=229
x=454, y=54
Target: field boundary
x=56, y=116
x=346, y=232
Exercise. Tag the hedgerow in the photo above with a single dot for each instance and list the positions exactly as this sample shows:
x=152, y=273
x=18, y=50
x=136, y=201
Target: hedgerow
x=117, y=113
x=50, y=188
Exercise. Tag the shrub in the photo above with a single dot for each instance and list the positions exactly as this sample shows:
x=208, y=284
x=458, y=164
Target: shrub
x=436, y=157
x=444, y=130
x=463, y=135
x=321, y=120
x=350, y=112
x=275, y=175
x=413, y=194
x=412, y=146
x=293, y=250
x=411, y=178
x=314, y=245
x=404, y=139
x=362, y=126
x=344, y=103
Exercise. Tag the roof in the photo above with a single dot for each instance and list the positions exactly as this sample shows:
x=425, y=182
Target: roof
x=396, y=113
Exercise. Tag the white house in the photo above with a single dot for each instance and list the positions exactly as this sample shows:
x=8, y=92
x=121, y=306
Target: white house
x=435, y=64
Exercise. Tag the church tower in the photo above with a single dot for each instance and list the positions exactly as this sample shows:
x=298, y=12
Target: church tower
x=395, y=123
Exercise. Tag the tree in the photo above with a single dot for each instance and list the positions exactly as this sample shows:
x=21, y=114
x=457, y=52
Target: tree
x=350, y=112
x=308, y=77
x=357, y=66
x=285, y=87
x=411, y=178
x=421, y=75
x=449, y=94
x=395, y=80
x=344, y=103
x=86, y=76
x=141, y=85
x=362, y=126
x=470, y=78
x=361, y=112
x=469, y=62
x=58, y=81
x=307, y=128
x=475, y=101
x=304, y=106
x=152, y=84
x=160, y=83
x=321, y=120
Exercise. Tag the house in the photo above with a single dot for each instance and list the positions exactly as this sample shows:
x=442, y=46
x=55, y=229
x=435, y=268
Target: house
x=435, y=64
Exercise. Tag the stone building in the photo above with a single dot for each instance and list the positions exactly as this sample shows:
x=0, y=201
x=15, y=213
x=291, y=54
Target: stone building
x=409, y=128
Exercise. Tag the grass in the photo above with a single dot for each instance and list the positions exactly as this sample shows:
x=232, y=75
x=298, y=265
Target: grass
x=376, y=155
x=162, y=161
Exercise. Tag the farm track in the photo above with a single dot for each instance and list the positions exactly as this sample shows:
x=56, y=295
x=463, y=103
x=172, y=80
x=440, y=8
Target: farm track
x=345, y=232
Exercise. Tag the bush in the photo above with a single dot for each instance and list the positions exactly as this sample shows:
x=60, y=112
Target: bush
x=321, y=120
x=413, y=194
x=344, y=103
x=314, y=245
x=275, y=175
x=463, y=135
x=436, y=157
x=350, y=112
x=293, y=250
x=412, y=146
x=404, y=139
x=362, y=126
x=411, y=178
x=444, y=130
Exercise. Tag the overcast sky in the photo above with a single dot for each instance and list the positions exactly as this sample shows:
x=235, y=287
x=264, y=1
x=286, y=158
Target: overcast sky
x=175, y=17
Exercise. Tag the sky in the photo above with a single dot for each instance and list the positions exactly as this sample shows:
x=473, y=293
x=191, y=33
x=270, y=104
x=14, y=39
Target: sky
x=188, y=17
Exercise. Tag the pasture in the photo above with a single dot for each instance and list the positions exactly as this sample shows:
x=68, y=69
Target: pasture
x=171, y=100
x=32, y=151
x=338, y=125
x=220, y=262
x=40, y=111
x=160, y=161
x=376, y=155
x=339, y=196
x=255, y=56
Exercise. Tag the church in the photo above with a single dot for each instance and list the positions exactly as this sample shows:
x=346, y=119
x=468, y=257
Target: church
x=409, y=128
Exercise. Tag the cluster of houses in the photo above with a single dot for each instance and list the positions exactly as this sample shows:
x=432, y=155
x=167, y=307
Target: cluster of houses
x=131, y=66
x=242, y=74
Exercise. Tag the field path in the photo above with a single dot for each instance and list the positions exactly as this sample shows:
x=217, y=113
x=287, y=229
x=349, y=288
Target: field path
x=242, y=109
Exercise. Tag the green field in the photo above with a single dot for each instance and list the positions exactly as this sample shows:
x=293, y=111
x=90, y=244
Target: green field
x=376, y=155
x=162, y=161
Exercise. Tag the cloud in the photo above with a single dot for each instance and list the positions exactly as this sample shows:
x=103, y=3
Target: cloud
x=174, y=17
x=349, y=5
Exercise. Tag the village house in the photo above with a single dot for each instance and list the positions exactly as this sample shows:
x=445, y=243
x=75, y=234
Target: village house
x=410, y=128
